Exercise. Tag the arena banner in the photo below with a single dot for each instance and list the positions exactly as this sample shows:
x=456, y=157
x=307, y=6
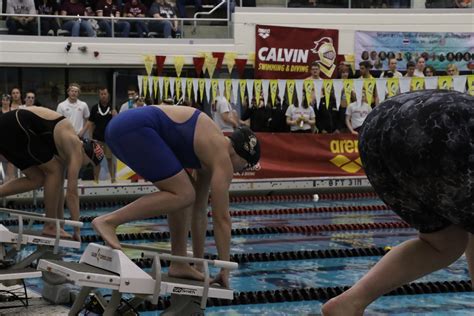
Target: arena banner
x=286, y=52
x=286, y=155
x=439, y=49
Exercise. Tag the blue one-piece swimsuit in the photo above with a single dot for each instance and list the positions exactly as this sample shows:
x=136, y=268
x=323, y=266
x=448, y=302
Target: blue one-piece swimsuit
x=152, y=144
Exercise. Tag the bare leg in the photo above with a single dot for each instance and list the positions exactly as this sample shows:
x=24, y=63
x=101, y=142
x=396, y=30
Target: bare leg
x=404, y=263
x=470, y=258
x=111, y=166
x=10, y=173
x=96, y=173
x=176, y=193
x=34, y=179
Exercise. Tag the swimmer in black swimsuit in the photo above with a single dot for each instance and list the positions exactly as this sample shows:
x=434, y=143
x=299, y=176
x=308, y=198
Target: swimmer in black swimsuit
x=42, y=144
x=418, y=153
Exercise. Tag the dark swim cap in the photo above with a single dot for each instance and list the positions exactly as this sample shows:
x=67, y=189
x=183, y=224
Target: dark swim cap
x=246, y=145
x=93, y=150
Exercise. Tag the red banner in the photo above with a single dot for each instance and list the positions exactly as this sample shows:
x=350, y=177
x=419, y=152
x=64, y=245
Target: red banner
x=306, y=155
x=286, y=52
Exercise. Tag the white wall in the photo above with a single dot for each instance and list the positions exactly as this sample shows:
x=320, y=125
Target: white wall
x=23, y=51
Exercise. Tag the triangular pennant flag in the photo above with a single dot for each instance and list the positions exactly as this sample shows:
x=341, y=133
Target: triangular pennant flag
x=459, y=83
x=299, y=91
x=211, y=66
x=327, y=83
x=160, y=84
x=145, y=86
x=381, y=88
x=445, y=82
x=250, y=89
x=220, y=59
x=405, y=83
x=369, y=87
x=208, y=90
x=221, y=85
x=197, y=97
x=202, y=83
x=417, y=83
x=235, y=89
x=281, y=89
x=290, y=86
x=178, y=89
x=348, y=88
x=240, y=64
x=309, y=89
x=258, y=90
x=229, y=59
x=178, y=64
x=431, y=83
x=273, y=90
x=155, y=87
x=160, y=62
x=148, y=60
x=183, y=88
x=140, y=84
x=215, y=91
x=150, y=86
x=172, y=86
x=470, y=84
x=337, y=84
x=228, y=90
x=166, y=85
x=358, y=86
x=318, y=88
x=393, y=87
x=265, y=86
x=198, y=63
x=243, y=86
x=189, y=88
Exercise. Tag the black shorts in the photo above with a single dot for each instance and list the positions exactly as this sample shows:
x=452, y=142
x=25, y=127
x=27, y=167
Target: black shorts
x=26, y=139
x=418, y=153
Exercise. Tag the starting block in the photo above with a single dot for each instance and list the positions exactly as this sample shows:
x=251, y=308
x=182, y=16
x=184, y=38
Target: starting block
x=107, y=268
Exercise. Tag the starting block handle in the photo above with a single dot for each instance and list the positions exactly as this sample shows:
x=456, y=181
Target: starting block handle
x=226, y=264
x=41, y=217
x=218, y=263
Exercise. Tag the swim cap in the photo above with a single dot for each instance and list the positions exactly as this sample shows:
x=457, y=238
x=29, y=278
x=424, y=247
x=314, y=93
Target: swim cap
x=246, y=145
x=93, y=150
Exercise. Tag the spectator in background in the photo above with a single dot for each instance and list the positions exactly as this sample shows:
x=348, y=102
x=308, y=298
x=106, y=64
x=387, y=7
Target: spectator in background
x=259, y=115
x=392, y=66
x=49, y=26
x=410, y=69
x=420, y=67
x=8, y=168
x=300, y=119
x=25, y=23
x=181, y=6
x=223, y=114
x=109, y=8
x=74, y=109
x=132, y=94
x=162, y=11
x=341, y=116
x=16, y=98
x=356, y=114
x=364, y=69
x=452, y=70
x=29, y=99
x=101, y=114
x=278, y=117
x=77, y=24
x=429, y=71
x=136, y=9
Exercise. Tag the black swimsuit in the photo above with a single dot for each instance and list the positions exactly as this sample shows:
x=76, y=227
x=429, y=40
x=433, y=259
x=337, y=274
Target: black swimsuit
x=26, y=138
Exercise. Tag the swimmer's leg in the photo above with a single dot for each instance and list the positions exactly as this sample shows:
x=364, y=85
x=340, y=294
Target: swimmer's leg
x=34, y=179
x=470, y=258
x=404, y=263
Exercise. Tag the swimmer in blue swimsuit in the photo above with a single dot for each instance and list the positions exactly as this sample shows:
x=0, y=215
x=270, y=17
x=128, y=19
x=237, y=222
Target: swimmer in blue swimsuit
x=417, y=149
x=42, y=144
x=160, y=143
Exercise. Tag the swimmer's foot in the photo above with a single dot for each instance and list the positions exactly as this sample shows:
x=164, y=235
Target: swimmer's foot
x=184, y=271
x=338, y=306
x=50, y=231
x=107, y=232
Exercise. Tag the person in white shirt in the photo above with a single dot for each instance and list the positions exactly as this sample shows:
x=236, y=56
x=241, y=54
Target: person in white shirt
x=301, y=119
x=131, y=103
x=356, y=114
x=392, y=66
x=223, y=114
x=420, y=67
x=74, y=109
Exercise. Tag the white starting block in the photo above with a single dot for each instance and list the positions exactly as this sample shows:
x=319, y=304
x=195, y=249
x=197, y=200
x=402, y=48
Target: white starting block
x=104, y=267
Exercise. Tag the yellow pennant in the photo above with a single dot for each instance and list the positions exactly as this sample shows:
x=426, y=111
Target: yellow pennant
x=155, y=87
x=228, y=89
x=214, y=87
x=211, y=65
x=470, y=84
x=327, y=84
x=166, y=83
x=258, y=90
x=178, y=64
x=417, y=83
x=309, y=89
x=445, y=82
x=243, y=85
x=189, y=87
x=229, y=59
x=145, y=85
x=350, y=59
x=393, y=86
x=290, y=88
x=348, y=85
x=148, y=60
x=202, y=85
x=178, y=86
x=273, y=90
x=206, y=56
x=369, y=87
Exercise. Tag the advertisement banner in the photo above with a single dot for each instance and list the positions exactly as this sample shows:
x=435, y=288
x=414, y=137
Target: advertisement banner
x=286, y=52
x=439, y=49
